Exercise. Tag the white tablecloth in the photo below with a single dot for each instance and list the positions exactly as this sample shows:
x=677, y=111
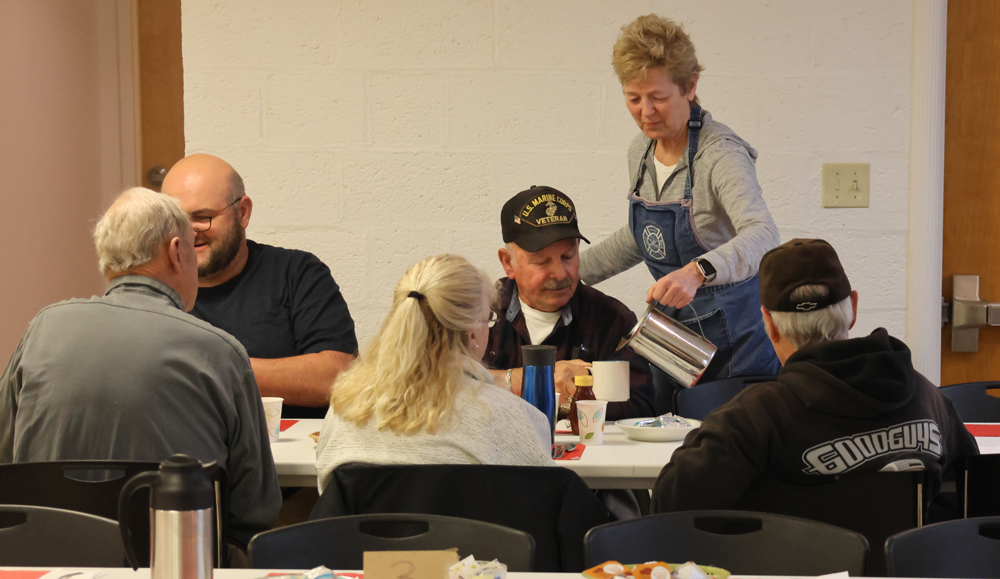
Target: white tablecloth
x=620, y=463
x=617, y=464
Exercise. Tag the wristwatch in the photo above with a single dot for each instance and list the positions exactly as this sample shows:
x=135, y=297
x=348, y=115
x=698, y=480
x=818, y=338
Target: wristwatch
x=706, y=268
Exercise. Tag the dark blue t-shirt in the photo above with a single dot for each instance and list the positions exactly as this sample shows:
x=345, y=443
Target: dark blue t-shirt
x=284, y=303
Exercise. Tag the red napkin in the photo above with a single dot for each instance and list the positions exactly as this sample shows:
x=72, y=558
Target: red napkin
x=574, y=454
x=285, y=425
x=19, y=574
x=984, y=429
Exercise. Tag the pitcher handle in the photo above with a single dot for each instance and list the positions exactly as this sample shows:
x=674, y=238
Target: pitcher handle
x=143, y=479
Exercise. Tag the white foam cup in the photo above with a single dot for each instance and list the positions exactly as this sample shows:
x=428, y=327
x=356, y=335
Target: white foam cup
x=590, y=414
x=272, y=414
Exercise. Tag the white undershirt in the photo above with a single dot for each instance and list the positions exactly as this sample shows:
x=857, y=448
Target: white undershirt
x=662, y=172
x=539, y=324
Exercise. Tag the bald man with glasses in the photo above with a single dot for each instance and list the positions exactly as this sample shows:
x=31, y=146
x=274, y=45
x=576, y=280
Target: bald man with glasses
x=281, y=304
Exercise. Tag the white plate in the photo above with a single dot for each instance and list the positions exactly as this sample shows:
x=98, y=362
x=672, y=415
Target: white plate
x=653, y=434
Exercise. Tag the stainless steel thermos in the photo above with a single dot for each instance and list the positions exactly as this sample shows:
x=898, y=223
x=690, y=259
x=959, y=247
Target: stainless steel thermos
x=182, y=501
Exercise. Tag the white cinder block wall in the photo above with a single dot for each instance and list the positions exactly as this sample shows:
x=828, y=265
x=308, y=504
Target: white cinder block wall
x=376, y=132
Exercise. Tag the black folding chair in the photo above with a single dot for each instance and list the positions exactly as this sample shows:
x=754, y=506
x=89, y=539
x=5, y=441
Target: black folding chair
x=743, y=543
x=973, y=402
x=46, y=537
x=964, y=548
x=874, y=504
x=93, y=486
x=700, y=400
x=553, y=505
x=340, y=542
x=977, y=480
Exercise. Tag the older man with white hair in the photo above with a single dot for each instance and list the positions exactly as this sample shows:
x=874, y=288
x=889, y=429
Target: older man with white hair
x=130, y=376
x=838, y=405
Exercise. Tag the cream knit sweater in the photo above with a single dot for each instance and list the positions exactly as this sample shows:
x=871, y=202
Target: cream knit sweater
x=493, y=427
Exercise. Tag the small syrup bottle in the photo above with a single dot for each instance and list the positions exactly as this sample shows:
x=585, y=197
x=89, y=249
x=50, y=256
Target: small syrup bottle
x=584, y=391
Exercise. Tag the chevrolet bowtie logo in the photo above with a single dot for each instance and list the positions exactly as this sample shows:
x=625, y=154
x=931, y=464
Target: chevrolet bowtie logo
x=806, y=306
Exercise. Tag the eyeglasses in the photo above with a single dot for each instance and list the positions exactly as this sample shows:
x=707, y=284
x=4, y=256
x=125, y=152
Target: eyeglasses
x=204, y=223
x=492, y=319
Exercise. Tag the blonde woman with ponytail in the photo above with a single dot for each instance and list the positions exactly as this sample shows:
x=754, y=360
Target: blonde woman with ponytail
x=419, y=393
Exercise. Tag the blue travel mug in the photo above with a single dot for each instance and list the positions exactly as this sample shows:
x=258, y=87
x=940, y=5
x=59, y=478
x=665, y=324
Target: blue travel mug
x=538, y=384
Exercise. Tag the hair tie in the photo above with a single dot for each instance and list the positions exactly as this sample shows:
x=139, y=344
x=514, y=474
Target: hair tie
x=415, y=294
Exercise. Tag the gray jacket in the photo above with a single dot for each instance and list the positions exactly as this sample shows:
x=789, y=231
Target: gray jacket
x=130, y=376
x=730, y=215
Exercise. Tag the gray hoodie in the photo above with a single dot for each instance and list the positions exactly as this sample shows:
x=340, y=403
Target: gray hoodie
x=730, y=216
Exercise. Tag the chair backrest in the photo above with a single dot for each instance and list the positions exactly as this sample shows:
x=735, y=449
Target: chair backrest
x=91, y=486
x=700, y=400
x=848, y=501
x=743, y=543
x=340, y=542
x=551, y=504
x=46, y=537
x=976, y=482
x=84, y=486
x=972, y=401
x=963, y=548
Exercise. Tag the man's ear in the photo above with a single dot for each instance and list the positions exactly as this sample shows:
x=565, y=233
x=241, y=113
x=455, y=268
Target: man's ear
x=769, y=326
x=246, y=208
x=174, y=251
x=505, y=261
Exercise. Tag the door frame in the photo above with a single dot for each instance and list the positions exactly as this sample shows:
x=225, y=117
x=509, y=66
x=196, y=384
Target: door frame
x=925, y=227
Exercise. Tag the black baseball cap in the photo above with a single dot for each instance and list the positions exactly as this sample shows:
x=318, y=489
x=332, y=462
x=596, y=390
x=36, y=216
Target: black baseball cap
x=797, y=263
x=538, y=217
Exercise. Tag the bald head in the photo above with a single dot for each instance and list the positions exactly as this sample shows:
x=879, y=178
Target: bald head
x=211, y=192
x=202, y=182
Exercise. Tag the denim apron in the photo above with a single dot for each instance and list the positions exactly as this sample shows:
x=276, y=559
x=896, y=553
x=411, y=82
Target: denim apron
x=727, y=315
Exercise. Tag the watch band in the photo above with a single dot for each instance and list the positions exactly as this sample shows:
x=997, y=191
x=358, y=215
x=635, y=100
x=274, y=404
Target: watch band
x=707, y=269
x=510, y=388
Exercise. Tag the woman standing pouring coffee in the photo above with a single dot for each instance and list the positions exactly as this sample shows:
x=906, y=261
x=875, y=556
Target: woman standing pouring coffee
x=696, y=215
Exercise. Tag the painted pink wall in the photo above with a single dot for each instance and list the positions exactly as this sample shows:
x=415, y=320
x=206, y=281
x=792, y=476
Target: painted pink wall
x=49, y=158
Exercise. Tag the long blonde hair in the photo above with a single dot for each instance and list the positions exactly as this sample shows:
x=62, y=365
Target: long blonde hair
x=409, y=376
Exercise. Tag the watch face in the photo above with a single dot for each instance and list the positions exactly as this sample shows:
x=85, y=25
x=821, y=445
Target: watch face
x=706, y=267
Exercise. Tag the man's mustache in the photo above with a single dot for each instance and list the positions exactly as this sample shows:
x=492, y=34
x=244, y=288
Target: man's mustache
x=558, y=284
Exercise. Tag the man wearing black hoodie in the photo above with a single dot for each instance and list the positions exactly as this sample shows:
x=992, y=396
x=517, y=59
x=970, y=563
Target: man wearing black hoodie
x=838, y=405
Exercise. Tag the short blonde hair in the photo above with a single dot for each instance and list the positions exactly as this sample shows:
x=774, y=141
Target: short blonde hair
x=652, y=41
x=807, y=328
x=410, y=375
x=135, y=226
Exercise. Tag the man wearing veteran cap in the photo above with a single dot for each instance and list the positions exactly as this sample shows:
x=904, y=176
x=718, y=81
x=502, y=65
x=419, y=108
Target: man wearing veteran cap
x=838, y=405
x=543, y=302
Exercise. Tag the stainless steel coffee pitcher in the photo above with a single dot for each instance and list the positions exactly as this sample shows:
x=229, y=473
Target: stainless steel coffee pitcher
x=671, y=346
x=182, y=502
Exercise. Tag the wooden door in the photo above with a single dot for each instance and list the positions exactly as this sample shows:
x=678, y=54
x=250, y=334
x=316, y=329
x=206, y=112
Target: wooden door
x=161, y=85
x=972, y=175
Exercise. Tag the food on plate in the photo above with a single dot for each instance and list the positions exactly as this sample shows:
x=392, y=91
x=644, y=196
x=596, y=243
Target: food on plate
x=655, y=570
x=314, y=436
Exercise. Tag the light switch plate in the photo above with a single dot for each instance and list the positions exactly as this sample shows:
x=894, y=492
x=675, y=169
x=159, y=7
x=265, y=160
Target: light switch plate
x=845, y=184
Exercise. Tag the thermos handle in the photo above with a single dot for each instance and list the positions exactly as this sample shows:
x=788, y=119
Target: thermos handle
x=143, y=479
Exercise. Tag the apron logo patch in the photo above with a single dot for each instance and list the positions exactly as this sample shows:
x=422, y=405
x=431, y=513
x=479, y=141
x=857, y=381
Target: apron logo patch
x=652, y=239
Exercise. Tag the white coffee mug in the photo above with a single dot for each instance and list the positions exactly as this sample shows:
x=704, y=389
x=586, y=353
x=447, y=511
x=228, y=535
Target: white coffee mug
x=611, y=380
